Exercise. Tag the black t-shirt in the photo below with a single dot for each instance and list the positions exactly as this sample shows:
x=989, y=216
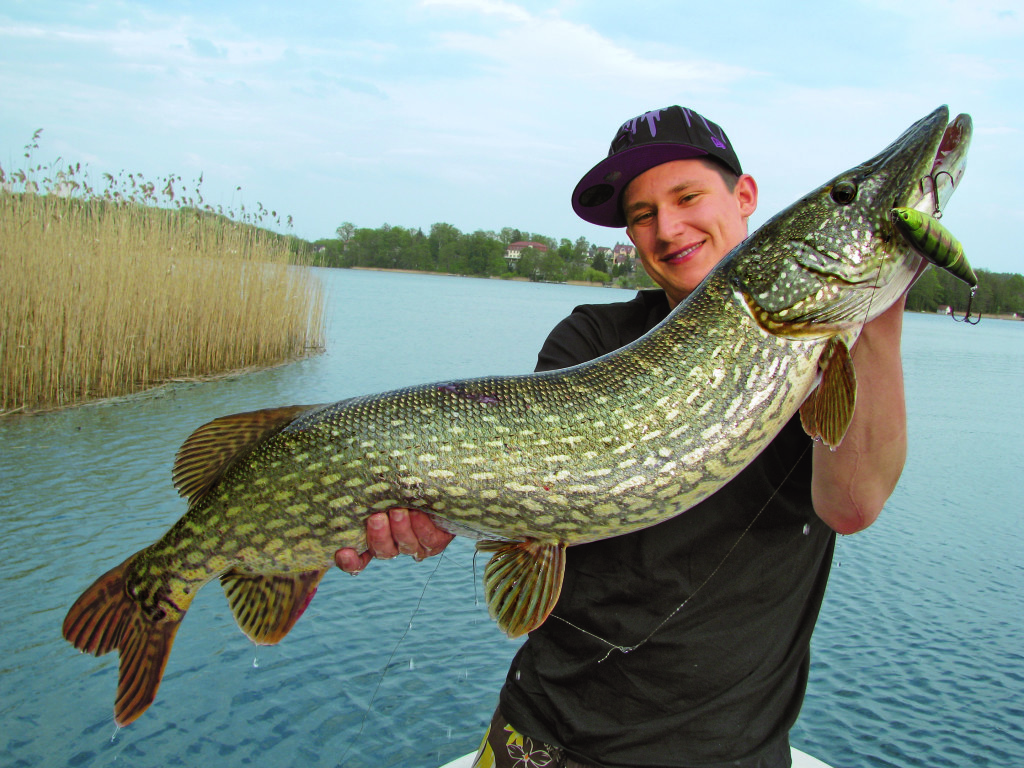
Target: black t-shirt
x=722, y=681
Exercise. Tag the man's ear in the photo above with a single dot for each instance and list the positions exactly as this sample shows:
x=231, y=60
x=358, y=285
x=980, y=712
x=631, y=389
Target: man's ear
x=746, y=194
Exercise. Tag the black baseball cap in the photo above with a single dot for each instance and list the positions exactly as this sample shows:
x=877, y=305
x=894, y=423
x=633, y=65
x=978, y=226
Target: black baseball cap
x=650, y=139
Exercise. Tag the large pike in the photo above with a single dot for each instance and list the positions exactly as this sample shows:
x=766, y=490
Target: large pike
x=531, y=464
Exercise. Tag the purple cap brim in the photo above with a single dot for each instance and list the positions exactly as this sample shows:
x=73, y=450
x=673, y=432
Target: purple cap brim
x=597, y=197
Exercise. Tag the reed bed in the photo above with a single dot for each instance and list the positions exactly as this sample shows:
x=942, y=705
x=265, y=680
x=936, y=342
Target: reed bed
x=108, y=294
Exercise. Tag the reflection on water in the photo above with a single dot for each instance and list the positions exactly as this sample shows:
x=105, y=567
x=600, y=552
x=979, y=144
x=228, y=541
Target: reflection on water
x=918, y=659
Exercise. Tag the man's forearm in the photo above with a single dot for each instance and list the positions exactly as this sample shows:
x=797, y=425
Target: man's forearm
x=851, y=484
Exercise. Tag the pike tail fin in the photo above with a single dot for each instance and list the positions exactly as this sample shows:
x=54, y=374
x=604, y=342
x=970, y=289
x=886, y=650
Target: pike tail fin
x=105, y=618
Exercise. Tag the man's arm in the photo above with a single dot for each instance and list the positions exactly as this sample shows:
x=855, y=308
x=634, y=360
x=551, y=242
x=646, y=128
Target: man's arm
x=850, y=485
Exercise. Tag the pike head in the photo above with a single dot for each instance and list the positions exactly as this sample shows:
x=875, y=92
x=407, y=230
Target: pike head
x=833, y=260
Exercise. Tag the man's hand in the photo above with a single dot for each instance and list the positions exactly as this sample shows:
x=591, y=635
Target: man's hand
x=399, y=531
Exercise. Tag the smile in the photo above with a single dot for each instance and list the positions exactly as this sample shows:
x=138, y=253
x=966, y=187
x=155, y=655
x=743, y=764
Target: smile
x=683, y=253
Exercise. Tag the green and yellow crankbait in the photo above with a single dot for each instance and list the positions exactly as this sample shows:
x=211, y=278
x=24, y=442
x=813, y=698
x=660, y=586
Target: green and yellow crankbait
x=934, y=242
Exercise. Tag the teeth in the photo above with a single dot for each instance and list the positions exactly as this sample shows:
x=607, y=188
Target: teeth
x=686, y=252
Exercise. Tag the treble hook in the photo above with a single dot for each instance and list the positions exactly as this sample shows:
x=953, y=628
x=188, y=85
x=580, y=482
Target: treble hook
x=967, y=313
x=934, y=176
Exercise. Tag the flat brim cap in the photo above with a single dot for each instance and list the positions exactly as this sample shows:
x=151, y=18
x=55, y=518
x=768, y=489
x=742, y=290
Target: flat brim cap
x=646, y=141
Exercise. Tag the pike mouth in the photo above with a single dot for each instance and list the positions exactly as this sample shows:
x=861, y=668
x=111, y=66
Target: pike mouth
x=934, y=189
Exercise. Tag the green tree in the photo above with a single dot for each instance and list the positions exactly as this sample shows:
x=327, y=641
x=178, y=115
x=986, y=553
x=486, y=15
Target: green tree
x=1015, y=294
x=443, y=241
x=346, y=230
x=483, y=254
x=926, y=295
x=509, y=236
x=529, y=263
x=552, y=267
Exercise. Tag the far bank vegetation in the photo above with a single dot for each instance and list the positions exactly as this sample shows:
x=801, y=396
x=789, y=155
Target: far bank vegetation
x=448, y=250
x=110, y=291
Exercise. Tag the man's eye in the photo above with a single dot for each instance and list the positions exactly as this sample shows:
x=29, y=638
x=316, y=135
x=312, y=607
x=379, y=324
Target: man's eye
x=640, y=218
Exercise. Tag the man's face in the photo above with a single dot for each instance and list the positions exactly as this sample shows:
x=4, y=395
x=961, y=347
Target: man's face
x=683, y=220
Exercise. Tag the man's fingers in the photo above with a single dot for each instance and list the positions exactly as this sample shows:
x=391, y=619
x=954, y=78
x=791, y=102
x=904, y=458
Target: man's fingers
x=431, y=538
x=402, y=533
x=379, y=536
x=351, y=561
x=388, y=534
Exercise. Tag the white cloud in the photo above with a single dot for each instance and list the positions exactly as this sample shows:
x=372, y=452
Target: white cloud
x=505, y=10
x=541, y=47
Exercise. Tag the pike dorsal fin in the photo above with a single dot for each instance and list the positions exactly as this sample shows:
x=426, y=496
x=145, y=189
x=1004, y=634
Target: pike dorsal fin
x=266, y=607
x=211, y=450
x=522, y=582
x=828, y=410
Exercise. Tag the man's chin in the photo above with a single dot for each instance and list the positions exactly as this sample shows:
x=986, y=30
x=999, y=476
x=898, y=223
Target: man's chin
x=682, y=278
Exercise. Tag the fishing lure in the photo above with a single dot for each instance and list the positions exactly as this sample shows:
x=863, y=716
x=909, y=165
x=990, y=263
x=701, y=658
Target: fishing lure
x=934, y=242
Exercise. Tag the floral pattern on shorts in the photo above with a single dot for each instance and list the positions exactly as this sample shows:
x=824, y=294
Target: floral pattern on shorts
x=504, y=747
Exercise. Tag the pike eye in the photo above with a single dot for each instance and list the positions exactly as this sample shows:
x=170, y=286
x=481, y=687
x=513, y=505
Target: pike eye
x=844, y=192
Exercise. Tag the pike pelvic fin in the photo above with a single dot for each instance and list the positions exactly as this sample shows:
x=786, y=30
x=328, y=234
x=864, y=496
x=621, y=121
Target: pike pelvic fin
x=267, y=607
x=522, y=582
x=214, y=447
x=828, y=410
x=105, y=618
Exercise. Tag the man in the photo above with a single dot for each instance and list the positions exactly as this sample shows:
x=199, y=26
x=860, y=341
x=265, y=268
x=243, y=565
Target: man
x=720, y=681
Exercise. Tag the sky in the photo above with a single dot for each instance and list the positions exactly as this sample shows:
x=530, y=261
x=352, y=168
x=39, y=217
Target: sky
x=485, y=113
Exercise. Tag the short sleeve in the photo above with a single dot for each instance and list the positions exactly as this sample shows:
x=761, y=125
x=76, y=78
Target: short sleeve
x=593, y=330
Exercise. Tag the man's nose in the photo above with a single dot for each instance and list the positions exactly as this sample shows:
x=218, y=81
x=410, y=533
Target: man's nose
x=671, y=223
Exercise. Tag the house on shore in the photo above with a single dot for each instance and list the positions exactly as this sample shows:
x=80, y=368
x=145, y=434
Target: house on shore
x=623, y=254
x=515, y=251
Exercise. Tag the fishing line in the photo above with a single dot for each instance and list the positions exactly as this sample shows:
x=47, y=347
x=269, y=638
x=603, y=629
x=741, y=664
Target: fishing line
x=871, y=299
x=629, y=648
x=387, y=664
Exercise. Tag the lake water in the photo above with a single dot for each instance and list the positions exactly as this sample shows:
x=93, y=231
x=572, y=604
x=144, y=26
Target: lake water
x=918, y=655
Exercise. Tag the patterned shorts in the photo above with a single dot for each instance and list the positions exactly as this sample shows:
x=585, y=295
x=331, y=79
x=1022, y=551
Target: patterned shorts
x=505, y=747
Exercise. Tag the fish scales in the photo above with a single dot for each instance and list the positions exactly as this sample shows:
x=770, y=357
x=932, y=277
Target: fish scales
x=519, y=427
x=531, y=464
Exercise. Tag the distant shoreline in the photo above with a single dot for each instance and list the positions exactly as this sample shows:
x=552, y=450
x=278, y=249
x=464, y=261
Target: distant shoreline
x=480, y=277
x=959, y=315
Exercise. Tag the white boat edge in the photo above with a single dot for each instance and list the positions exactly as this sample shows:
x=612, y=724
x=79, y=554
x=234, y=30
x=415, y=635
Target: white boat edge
x=800, y=760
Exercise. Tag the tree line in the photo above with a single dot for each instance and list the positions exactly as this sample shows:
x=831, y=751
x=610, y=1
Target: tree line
x=998, y=293
x=448, y=250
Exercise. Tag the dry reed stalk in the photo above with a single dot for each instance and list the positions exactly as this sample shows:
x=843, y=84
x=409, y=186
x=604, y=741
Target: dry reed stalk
x=103, y=299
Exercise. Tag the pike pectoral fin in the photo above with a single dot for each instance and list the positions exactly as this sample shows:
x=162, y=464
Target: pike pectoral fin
x=266, y=607
x=522, y=582
x=105, y=618
x=828, y=410
x=211, y=450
